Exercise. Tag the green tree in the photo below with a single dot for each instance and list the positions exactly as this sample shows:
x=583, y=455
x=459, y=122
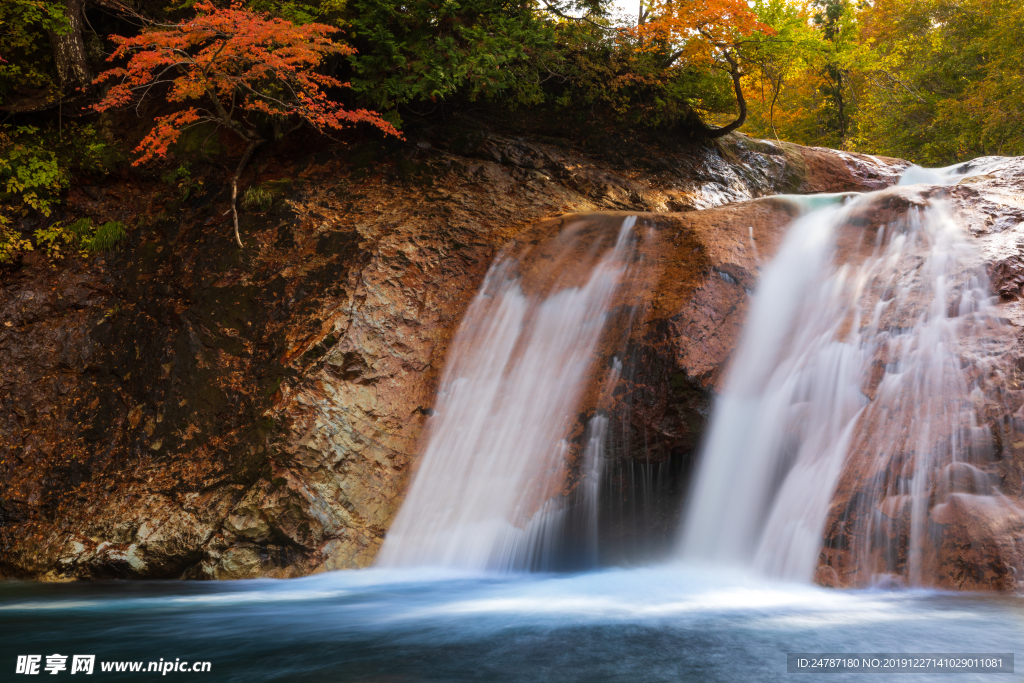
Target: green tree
x=26, y=60
x=949, y=85
x=784, y=102
x=811, y=74
x=838, y=31
x=416, y=52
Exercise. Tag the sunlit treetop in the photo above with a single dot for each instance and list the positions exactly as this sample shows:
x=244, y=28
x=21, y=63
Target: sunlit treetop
x=696, y=31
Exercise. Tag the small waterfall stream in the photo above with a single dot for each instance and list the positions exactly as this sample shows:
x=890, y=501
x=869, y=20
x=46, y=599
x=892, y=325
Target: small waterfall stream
x=851, y=374
x=488, y=492
x=786, y=415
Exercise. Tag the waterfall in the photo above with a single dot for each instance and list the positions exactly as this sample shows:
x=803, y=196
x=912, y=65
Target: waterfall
x=849, y=400
x=489, y=490
x=790, y=400
x=847, y=436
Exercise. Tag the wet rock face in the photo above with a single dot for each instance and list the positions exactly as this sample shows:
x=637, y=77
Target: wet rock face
x=963, y=527
x=188, y=409
x=673, y=325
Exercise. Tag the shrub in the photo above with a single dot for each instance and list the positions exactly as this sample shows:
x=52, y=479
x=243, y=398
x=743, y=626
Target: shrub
x=181, y=178
x=239, y=70
x=11, y=242
x=79, y=237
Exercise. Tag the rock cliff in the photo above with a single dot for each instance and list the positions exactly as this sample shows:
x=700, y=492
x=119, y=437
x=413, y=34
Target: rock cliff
x=185, y=408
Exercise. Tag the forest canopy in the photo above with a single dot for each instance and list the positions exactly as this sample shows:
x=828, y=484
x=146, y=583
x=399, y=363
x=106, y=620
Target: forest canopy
x=932, y=81
x=935, y=81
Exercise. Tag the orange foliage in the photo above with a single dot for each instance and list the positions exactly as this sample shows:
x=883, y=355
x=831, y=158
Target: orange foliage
x=230, y=62
x=696, y=30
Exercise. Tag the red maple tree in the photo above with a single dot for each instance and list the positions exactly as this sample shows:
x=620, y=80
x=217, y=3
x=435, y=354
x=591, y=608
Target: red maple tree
x=238, y=69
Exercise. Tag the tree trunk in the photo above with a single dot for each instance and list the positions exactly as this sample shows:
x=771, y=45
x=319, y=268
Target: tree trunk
x=69, y=50
x=741, y=102
x=253, y=144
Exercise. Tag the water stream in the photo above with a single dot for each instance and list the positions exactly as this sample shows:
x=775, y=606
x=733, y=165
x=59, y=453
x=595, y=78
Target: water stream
x=851, y=361
x=486, y=494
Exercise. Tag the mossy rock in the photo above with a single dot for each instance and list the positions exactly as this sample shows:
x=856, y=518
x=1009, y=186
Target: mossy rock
x=795, y=174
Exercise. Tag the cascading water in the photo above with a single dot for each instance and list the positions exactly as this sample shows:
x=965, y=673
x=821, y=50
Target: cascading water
x=849, y=379
x=789, y=405
x=846, y=435
x=488, y=491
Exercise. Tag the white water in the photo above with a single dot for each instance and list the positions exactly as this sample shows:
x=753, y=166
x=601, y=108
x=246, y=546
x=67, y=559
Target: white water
x=783, y=421
x=950, y=175
x=849, y=388
x=830, y=311
x=487, y=492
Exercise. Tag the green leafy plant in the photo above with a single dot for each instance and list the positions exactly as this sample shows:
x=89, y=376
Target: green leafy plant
x=258, y=198
x=26, y=61
x=79, y=238
x=422, y=51
x=11, y=242
x=36, y=165
x=30, y=172
x=181, y=178
x=57, y=240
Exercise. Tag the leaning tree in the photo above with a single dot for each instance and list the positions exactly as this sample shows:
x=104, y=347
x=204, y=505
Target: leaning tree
x=702, y=33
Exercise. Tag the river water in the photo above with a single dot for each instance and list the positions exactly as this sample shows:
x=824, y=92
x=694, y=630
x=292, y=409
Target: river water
x=664, y=623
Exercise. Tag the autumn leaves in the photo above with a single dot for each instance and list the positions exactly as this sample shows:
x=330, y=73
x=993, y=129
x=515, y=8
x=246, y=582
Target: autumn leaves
x=225, y=65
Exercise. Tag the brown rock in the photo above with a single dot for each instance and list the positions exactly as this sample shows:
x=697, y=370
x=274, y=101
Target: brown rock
x=974, y=524
x=184, y=408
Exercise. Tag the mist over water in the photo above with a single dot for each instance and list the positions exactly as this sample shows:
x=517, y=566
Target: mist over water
x=655, y=624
